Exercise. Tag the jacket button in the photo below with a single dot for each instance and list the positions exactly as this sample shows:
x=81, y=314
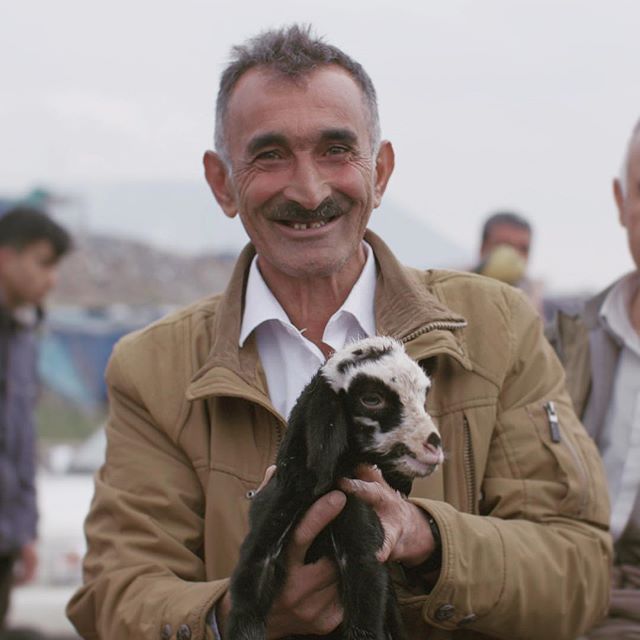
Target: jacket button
x=166, y=632
x=445, y=612
x=472, y=617
x=184, y=632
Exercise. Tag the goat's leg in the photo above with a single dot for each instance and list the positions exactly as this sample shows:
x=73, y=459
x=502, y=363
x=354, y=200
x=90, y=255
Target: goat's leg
x=261, y=570
x=393, y=620
x=356, y=536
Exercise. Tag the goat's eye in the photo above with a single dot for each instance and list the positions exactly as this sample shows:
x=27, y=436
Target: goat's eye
x=372, y=400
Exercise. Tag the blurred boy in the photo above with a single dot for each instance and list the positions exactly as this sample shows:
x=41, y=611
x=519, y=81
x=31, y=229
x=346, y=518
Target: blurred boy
x=31, y=246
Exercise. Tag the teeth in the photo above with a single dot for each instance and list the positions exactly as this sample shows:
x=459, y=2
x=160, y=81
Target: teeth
x=301, y=226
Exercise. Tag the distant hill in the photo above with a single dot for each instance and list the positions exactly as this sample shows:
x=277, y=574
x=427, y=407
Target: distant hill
x=105, y=270
x=184, y=218
x=169, y=244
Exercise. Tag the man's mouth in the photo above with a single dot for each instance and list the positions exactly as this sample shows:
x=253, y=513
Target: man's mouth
x=292, y=215
x=302, y=226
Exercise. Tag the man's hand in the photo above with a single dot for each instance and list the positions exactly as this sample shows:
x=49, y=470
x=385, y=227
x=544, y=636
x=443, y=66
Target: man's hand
x=26, y=566
x=407, y=535
x=309, y=603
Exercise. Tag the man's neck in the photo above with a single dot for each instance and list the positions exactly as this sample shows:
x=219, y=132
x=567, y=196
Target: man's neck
x=309, y=302
x=634, y=308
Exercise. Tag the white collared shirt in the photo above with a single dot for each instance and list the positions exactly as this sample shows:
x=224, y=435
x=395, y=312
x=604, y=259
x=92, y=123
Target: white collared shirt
x=621, y=437
x=288, y=358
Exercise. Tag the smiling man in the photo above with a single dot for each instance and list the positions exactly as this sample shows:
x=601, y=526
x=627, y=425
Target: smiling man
x=508, y=540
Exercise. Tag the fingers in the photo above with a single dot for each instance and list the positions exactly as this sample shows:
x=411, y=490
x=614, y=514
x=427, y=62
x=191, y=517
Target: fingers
x=370, y=473
x=319, y=515
x=369, y=486
x=305, y=607
x=407, y=536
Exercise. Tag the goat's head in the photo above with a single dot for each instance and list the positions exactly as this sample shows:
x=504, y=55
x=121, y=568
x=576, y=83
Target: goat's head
x=371, y=398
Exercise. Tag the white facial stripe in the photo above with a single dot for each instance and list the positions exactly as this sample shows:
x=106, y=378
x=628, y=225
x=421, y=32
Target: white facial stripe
x=413, y=432
x=394, y=368
x=367, y=422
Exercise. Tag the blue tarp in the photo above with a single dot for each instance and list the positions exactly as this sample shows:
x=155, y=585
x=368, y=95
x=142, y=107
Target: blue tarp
x=74, y=351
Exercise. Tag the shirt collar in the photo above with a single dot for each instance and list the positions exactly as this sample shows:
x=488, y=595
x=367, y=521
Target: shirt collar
x=262, y=306
x=615, y=311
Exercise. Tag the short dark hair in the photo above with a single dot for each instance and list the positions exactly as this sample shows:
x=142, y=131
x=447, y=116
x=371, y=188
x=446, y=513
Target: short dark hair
x=294, y=53
x=504, y=217
x=22, y=226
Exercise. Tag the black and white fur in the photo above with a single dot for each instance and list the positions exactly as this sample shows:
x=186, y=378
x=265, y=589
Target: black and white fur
x=366, y=404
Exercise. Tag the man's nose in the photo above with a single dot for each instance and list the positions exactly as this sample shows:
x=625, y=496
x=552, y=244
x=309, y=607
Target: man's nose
x=307, y=186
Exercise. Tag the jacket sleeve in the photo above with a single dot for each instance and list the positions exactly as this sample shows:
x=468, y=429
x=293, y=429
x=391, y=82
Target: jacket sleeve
x=535, y=561
x=24, y=511
x=144, y=576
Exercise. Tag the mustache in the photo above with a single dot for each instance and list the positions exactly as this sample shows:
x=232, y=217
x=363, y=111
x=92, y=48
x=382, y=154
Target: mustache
x=293, y=212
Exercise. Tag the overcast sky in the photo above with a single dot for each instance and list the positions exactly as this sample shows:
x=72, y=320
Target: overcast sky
x=489, y=103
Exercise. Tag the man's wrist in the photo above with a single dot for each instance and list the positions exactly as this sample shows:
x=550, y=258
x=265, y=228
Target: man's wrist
x=426, y=573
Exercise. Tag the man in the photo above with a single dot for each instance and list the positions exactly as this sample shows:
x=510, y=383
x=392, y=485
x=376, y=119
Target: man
x=506, y=228
x=31, y=245
x=504, y=253
x=600, y=348
x=519, y=545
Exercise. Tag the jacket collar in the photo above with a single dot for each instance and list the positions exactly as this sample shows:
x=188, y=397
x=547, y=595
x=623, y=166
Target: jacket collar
x=404, y=309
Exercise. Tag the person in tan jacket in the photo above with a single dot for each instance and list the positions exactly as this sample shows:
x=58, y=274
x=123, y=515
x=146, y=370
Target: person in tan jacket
x=199, y=400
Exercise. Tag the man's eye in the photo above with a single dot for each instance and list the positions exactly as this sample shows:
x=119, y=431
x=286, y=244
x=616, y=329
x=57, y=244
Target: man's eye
x=269, y=155
x=336, y=149
x=372, y=400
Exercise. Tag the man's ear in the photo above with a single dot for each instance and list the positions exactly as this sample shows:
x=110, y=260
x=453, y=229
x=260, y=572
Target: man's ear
x=385, y=162
x=618, y=194
x=219, y=180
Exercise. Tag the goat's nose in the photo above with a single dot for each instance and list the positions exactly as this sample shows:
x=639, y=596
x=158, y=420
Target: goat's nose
x=433, y=442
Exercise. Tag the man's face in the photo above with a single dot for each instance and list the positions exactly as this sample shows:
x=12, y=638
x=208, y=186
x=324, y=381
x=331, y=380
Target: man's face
x=629, y=201
x=504, y=233
x=28, y=274
x=303, y=177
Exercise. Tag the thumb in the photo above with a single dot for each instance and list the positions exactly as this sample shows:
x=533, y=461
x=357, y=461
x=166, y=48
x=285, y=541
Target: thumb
x=319, y=515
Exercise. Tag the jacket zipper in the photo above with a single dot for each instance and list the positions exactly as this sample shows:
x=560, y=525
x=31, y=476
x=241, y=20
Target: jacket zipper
x=436, y=325
x=556, y=438
x=278, y=441
x=469, y=466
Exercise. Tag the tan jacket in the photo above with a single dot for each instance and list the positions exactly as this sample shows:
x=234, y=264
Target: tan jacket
x=523, y=519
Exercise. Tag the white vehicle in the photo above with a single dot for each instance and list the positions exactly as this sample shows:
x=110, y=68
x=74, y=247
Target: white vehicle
x=65, y=490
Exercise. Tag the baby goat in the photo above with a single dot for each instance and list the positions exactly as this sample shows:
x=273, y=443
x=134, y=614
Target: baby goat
x=366, y=404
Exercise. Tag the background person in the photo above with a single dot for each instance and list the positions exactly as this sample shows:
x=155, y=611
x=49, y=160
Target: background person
x=504, y=253
x=31, y=246
x=509, y=540
x=600, y=349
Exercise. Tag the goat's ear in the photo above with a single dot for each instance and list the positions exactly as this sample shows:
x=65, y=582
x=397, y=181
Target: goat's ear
x=325, y=430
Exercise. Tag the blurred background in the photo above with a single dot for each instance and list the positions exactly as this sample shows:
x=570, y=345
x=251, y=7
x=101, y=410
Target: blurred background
x=106, y=109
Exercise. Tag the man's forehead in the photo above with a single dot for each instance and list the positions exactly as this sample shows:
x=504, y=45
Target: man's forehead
x=505, y=229
x=262, y=94
x=267, y=79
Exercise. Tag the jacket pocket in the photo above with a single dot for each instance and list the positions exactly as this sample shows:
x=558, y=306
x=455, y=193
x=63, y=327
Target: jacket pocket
x=544, y=465
x=572, y=458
